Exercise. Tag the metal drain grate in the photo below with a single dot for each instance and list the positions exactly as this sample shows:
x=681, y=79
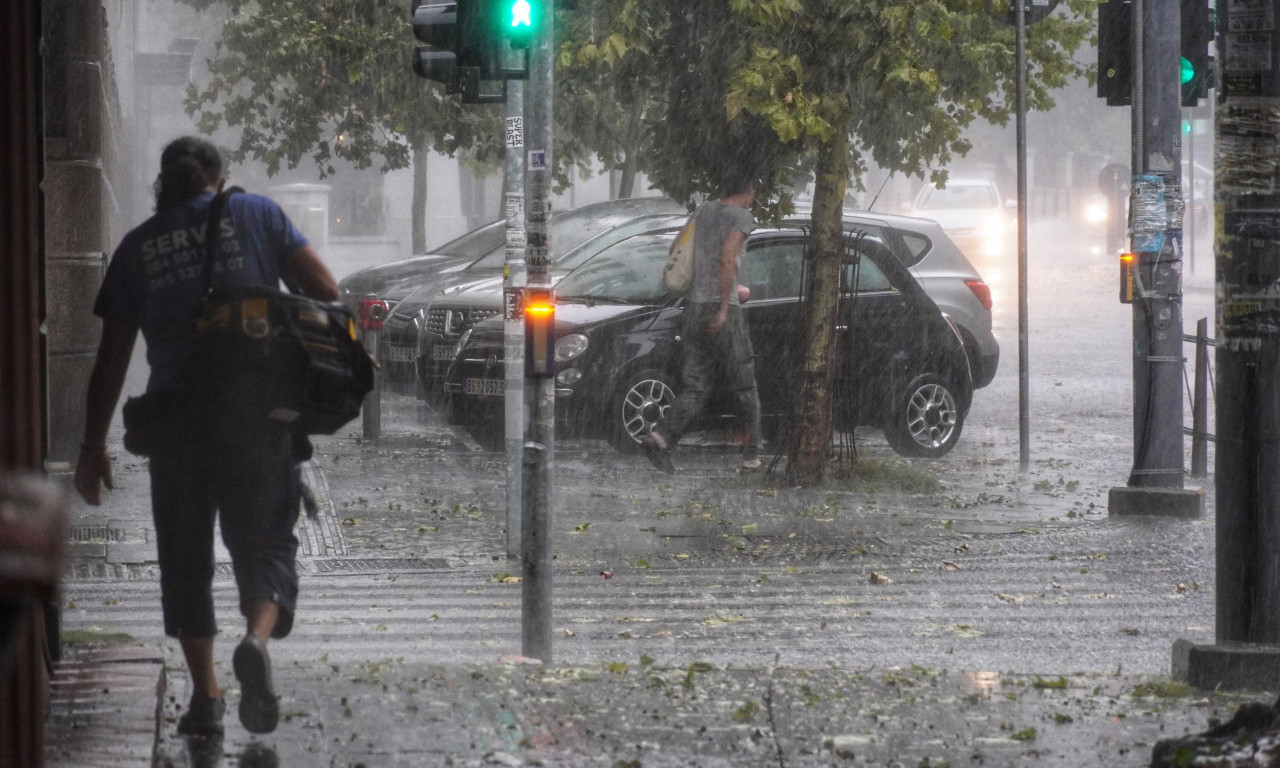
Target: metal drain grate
x=372, y=565
x=96, y=533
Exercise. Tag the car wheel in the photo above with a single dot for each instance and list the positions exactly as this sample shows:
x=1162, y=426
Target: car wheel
x=927, y=419
x=640, y=404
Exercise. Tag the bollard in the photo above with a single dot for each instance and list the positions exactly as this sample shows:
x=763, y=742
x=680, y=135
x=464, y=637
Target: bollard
x=373, y=311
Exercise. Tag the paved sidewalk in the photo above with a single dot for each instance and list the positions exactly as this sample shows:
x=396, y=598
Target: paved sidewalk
x=1002, y=621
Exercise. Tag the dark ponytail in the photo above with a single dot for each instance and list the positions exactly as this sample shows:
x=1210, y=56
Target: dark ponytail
x=187, y=167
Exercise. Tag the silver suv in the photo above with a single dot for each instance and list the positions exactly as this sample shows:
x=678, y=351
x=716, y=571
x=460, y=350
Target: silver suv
x=945, y=274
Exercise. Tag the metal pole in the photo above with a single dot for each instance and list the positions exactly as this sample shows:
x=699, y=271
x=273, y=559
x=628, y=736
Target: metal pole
x=371, y=408
x=1200, y=407
x=1247, y=258
x=1024, y=379
x=373, y=312
x=1156, y=229
x=535, y=551
x=513, y=328
x=1189, y=216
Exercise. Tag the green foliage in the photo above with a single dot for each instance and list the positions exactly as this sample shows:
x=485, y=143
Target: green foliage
x=330, y=79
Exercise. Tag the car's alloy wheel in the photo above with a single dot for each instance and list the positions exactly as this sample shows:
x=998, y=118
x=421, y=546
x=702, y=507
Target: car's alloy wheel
x=928, y=419
x=641, y=403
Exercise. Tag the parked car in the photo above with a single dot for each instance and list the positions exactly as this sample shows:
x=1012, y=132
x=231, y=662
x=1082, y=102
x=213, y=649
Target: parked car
x=899, y=363
x=941, y=269
x=391, y=282
x=398, y=343
x=950, y=280
x=971, y=212
x=454, y=310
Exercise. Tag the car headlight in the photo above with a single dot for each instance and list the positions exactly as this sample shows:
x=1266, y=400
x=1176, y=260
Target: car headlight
x=1095, y=212
x=570, y=347
x=993, y=225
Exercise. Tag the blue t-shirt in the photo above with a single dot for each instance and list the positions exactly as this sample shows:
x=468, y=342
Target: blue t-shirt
x=153, y=280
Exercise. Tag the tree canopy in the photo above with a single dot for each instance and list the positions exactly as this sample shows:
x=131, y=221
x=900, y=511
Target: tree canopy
x=681, y=91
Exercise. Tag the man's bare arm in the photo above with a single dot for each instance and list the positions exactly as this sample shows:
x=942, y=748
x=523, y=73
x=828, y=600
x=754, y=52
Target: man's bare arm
x=93, y=468
x=314, y=278
x=728, y=274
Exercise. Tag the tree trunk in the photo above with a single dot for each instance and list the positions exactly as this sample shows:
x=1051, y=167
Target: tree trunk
x=630, y=152
x=810, y=435
x=418, y=215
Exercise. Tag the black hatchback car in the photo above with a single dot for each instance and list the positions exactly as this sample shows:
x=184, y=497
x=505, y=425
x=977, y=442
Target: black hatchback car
x=899, y=363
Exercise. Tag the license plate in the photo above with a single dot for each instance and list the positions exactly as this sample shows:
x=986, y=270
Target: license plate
x=442, y=352
x=398, y=354
x=485, y=387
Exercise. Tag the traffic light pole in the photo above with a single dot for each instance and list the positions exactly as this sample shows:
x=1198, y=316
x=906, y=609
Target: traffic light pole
x=1246, y=653
x=1155, y=223
x=513, y=279
x=539, y=451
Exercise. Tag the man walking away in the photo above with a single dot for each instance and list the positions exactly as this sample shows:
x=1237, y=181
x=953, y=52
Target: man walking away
x=243, y=472
x=714, y=330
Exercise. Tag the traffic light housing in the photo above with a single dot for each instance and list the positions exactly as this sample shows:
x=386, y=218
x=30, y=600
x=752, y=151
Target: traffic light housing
x=1115, y=52
x=1197, y=73
x=437, y=25
x=464, y=42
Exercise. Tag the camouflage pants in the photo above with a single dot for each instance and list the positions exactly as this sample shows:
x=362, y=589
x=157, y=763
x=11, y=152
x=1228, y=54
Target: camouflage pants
x=706, y=357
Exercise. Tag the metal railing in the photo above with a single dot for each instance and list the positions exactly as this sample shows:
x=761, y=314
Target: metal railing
x=1199, y=391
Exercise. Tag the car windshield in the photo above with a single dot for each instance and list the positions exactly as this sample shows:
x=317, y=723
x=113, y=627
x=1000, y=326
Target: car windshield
x=629, y=271
x=475, y=243
x=571, y=229
x=967, y=196
x=617, y=234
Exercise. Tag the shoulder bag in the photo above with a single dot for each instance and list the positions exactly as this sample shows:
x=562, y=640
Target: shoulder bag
x=677, y=275
x=259, y=353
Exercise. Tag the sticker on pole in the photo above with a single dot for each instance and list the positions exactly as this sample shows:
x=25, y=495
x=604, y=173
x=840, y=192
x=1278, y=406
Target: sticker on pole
x=515, y=131
x=538, y=160
x=513, y=209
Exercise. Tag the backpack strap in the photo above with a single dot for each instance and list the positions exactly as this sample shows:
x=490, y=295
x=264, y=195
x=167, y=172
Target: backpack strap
x=212, y=235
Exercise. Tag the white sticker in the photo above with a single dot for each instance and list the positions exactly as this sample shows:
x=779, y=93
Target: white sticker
x=513, y=210
x=515, y=131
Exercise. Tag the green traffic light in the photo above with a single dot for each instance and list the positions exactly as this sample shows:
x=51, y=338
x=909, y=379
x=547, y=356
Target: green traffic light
x=521, y=15
x=1185, y=71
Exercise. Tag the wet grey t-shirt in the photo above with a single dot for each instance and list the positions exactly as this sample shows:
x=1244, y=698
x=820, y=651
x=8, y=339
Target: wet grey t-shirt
x=712, y=223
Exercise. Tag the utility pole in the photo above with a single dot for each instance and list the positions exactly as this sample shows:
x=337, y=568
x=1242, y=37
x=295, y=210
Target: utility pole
x=1024, y=346
x=539, y=450
x=513, y=282
x=1155, y=485
x=1246, y=653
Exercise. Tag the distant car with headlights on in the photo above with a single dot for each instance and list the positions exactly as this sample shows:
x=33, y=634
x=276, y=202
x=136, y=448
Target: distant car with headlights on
x=899, y=364
x=972, y=214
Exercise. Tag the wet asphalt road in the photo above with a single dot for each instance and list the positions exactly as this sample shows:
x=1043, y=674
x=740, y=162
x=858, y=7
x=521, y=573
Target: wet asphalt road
x=890, y=627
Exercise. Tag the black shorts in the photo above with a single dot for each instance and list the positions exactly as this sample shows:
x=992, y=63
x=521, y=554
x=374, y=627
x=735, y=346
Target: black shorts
x=248, y=480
